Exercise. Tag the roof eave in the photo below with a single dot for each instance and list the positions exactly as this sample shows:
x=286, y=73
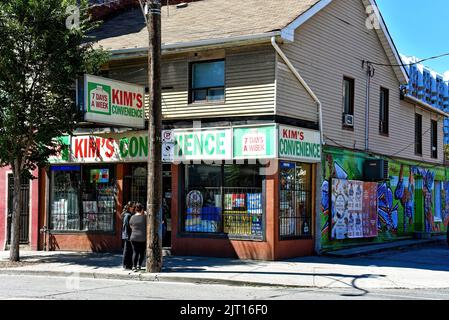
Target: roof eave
x=195, y=45
x=402, y=75
x=288, y=33
x=424, y=105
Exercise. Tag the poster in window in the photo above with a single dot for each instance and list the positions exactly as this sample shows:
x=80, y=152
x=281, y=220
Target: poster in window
x=254, y=203
x=90, y=207
x=228, y=201
x=340, y=212
x=369, y=215
x=99, y=176
x=238, y=200
x=354, y=209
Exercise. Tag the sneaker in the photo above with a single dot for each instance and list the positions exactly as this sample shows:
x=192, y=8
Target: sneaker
x=134, y=269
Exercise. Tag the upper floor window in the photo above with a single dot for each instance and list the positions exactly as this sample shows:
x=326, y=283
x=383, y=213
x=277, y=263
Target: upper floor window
x=384, y=110
x=434, y=139
x=348, y=102
x=207, y=82
x=418, y=134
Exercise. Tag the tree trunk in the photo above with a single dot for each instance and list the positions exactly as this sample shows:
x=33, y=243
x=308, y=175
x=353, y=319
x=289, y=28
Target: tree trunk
x=17, y=208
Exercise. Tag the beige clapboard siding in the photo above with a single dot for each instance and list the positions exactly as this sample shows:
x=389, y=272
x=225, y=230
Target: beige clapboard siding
x=329, y=46
x=292, y=99
x=250, y=86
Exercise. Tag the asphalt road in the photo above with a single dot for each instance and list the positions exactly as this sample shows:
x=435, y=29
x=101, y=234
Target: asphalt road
x=59, y=288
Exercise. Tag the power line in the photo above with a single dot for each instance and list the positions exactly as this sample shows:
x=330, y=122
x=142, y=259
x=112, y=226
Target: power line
x=388, y=156
x=409, y=64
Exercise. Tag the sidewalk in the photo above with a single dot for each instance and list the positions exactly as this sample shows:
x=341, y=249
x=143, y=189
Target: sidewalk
x=424, y=267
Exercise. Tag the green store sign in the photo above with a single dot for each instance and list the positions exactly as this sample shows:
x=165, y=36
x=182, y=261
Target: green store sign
x=203, y=145
x=112, y=102
x=299, y=144
x=255, y=142
x=234, y=143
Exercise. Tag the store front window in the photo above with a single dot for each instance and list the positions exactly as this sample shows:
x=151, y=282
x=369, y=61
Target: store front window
x=295, y=216
x=224, y=199
x=83, y=198
x=136, y=183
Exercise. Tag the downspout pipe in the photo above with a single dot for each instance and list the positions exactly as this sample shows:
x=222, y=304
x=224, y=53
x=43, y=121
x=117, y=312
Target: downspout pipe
x=320, y=114
x=303, y=83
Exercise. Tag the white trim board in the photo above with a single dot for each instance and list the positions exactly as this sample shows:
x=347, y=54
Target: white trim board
x=288, y=34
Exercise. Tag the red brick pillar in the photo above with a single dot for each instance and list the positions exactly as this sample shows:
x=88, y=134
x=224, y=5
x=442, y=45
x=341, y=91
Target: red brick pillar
x=174, y=205
x=272, y=205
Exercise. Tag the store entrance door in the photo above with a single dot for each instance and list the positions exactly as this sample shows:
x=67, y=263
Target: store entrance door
x=136, y=182
x=24, y=214
x=166, y=204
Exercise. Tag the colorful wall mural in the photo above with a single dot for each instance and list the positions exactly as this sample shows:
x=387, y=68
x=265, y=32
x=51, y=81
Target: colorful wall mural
x=405, y=203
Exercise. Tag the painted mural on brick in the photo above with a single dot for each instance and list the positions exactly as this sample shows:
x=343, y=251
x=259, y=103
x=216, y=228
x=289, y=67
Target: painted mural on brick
x=406, y=203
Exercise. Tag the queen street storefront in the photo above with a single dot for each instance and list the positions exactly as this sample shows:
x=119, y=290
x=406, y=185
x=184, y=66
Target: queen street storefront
x=243, y=191
x=87, y=186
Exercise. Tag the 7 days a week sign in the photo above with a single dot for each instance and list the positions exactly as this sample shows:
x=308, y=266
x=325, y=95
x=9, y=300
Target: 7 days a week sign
x=113, y=102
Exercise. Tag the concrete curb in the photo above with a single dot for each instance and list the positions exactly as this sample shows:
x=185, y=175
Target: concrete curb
x=360, y=251
x=148, y=277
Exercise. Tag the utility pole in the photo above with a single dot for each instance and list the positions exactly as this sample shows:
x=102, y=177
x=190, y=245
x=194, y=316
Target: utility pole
x=154, y=202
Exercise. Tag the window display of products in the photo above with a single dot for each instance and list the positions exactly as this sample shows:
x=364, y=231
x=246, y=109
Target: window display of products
x=295, y=215
x=77, y=204
x=65, y=211
x=213, y=208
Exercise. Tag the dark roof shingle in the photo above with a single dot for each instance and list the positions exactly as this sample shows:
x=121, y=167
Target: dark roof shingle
x=202, y=20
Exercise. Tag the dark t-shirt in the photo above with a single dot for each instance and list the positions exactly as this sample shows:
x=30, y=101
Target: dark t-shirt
x=138, y=224
x=126, y=230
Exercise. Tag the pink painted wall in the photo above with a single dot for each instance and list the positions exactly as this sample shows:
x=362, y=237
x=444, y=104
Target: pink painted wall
x=34, y=209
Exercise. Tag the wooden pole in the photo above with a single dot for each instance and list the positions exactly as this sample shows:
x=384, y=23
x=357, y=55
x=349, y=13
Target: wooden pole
x=154, y=202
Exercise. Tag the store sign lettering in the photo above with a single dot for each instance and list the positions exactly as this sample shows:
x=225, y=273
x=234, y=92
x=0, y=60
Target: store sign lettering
x=134, y=147
x=254, y=142
x=299, y=144
x=112, y=148
x=208, y=145
x=93, y=147
x=113, y=102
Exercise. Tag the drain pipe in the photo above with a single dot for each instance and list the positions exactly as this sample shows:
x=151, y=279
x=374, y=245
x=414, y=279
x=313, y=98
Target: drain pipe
x=303, y=83
x=319, y=175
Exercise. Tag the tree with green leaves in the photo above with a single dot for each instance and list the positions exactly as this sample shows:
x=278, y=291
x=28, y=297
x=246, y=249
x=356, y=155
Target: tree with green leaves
x=44, y=45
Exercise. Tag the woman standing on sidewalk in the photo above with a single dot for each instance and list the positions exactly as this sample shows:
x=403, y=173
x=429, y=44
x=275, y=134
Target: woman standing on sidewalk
x=126, y=235
x=138, y=224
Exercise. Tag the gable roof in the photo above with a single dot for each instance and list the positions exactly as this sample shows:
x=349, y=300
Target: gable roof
x=214, y=21
x=202, y=20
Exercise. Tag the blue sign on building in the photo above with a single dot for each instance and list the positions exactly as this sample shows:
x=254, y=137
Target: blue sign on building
x=429, y=87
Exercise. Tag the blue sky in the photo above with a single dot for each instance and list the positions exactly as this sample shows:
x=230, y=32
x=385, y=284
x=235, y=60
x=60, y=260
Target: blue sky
x=419, y=28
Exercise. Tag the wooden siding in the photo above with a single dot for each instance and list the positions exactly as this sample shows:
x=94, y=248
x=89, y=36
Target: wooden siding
x=332, y=45
x=292, y=100
x=250, y=85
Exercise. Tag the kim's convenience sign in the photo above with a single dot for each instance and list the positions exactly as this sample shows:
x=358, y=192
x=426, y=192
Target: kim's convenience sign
x=113, y=102
x=299, y=144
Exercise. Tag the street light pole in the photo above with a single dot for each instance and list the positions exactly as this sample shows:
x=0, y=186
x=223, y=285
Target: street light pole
x=154, y=202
